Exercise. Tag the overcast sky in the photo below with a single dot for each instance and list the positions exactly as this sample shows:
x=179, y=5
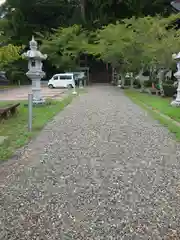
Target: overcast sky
x=1, y=1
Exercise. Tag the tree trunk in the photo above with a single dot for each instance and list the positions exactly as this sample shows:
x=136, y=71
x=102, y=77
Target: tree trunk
x=132, y=81
x=122, y=79
x=161, y=79
x=153, y=74
x=83, y=9
x=141, y=81
x=142, y=86
x=114, y=76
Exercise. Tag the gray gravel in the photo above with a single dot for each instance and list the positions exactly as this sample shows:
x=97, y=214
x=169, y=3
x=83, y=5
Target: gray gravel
x=102, y=169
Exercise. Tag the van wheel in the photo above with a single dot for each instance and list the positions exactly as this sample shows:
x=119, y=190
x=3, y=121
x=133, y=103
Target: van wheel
x=69, y=86
x=50, y=86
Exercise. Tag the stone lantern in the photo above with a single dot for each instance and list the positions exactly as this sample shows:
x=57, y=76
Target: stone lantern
x=176, y=102
x=35, y=72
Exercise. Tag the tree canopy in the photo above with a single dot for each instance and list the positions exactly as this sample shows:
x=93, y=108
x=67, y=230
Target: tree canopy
x=124, y=33
x=22, y=18
x=64, y=46
x=127, y=45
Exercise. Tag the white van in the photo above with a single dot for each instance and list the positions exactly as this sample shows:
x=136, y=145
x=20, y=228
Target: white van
x=62, y=80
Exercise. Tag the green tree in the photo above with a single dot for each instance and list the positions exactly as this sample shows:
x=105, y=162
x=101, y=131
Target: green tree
x=24, y=18
x=8, y=54
x=102, y=12
x=27, y=17
x=117, y=44
x=158, y=43
x=65, y=45
x=137, y=43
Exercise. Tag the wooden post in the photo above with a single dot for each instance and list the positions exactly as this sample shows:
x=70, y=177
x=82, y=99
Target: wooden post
x=85, y=60
x=112, y=75
x=107, y=66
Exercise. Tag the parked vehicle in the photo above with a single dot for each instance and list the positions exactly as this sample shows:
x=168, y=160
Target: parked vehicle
x=3, y=79
x=62, y=80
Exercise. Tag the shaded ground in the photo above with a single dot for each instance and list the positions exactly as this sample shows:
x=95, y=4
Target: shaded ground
x=102, y=169
x=21, y=93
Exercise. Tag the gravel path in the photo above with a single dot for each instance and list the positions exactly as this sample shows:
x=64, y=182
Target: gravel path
x=103, y=169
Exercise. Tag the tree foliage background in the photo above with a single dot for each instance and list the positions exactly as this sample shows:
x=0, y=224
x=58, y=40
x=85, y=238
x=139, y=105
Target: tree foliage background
x=104, y=28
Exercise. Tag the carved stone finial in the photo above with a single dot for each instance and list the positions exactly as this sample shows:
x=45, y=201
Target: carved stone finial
x=176, y=56
x=33, y=44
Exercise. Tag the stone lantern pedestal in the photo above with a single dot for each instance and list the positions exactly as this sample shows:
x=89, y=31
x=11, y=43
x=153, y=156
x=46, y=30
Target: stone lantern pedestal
x=36, y=86
x=176, y=102
x=35, y=72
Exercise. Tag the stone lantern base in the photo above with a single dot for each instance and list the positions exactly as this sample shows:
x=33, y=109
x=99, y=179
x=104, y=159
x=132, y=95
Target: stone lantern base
x=35, y=77
x=39, y=101
x=175, y=103
x=37, y=98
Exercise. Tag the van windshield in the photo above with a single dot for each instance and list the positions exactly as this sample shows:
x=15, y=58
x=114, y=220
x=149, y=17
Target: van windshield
x=66, y=77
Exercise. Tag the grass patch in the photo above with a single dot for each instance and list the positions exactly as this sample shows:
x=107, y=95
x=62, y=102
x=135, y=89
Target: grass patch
x=159, y=104
x=16, y=127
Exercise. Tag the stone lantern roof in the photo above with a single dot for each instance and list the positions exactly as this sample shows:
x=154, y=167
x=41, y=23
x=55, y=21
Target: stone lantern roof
x=176, y=56
x=34, y=52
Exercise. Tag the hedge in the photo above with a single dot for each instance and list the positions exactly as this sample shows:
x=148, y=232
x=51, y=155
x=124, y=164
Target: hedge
x=169, y=90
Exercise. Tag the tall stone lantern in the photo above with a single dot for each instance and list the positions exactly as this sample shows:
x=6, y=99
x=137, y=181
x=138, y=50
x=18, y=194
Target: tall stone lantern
x=35, y=73
x=176, y=102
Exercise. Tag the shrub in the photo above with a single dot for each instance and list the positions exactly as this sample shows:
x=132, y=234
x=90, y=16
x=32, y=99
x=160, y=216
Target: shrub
x=137, y=84
x=169, y=90
x=148, y=84
x=127, y=82
x=169, y=82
